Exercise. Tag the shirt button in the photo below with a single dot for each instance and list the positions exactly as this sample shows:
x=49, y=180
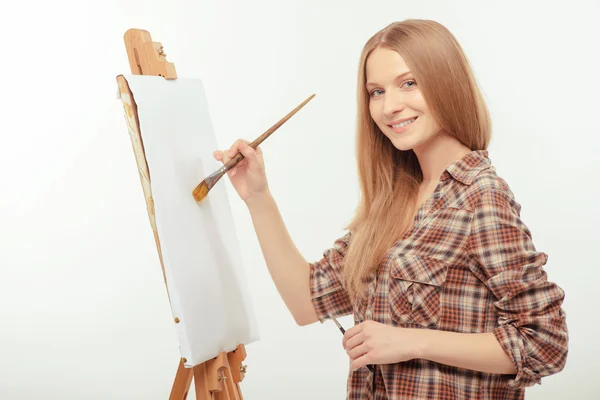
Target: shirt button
x=369, y=314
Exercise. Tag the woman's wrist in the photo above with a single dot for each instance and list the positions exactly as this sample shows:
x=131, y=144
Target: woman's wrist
x=259, y=201
x=420, y=339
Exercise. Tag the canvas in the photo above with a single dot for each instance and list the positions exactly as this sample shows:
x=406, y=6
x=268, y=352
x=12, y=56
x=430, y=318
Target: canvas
x=202, y=261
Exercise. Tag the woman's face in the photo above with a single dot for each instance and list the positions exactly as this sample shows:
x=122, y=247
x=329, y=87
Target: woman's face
x=396, y=104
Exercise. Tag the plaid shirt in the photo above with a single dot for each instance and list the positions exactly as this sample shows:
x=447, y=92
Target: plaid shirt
x=468, y=264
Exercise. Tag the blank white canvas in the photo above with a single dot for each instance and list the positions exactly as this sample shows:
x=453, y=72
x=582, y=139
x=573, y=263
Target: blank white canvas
x=201, y=254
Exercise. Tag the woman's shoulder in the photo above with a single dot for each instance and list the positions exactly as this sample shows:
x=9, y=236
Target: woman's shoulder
x=486, y=183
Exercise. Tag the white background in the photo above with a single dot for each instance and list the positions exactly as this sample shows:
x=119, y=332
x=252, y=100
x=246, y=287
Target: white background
x=83, y=308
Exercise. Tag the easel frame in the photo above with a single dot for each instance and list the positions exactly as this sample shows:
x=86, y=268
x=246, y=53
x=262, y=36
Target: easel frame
x=218, y=378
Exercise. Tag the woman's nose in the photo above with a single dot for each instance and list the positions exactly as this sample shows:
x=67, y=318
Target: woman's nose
x=392, y=104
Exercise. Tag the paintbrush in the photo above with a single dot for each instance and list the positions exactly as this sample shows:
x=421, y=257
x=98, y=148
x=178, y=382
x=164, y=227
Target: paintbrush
x=203, y=188
x=370, y=367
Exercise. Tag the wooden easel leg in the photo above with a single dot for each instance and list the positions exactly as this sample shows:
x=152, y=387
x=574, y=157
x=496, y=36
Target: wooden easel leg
x=237, y=369
x=209, y=379
x=201, y=383
x=182, y=383
x=222, y=394
x=216, y=379
x=230, y=386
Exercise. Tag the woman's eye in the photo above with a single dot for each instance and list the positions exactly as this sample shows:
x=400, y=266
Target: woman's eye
x=410, y=84
x=376, y=92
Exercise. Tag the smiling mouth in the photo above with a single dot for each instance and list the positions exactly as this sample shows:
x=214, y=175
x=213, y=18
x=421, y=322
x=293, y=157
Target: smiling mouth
x=404, y=123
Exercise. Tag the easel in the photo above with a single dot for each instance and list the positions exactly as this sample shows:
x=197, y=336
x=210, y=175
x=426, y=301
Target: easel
x=218, y=378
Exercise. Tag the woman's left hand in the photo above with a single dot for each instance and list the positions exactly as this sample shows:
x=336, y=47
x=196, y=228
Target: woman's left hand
x=371, y=342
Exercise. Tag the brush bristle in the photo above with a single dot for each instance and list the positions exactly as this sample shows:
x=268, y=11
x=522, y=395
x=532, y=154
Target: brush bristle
x=200, y=191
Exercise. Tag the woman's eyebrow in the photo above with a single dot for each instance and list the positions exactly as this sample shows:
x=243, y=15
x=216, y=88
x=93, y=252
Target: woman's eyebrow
x=401, y=76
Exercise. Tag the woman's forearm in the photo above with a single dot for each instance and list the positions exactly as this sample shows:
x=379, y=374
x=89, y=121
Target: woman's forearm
x=288, y=268
x=474, y=351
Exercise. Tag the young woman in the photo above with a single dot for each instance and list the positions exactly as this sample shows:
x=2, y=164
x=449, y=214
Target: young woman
x=448, y=292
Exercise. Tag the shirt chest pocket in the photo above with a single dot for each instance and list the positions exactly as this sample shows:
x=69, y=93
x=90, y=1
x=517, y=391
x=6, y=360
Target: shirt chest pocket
x=415, y=285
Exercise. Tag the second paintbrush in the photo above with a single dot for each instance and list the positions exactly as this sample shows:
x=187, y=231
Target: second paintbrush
x=203, y=187
x=370, y=367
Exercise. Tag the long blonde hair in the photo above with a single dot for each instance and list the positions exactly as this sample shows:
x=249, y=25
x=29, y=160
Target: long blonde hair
x=389, y=178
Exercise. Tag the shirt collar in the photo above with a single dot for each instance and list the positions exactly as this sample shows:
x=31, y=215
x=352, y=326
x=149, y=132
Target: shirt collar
x=468, y=167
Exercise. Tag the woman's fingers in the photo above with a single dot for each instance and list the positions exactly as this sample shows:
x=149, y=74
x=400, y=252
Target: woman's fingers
x=361, y=361
x=358, y=351
x=234, y=149
x=224, y=157
x=350, y=333
x=239, y=146
x=354, y=341
x=250, y=155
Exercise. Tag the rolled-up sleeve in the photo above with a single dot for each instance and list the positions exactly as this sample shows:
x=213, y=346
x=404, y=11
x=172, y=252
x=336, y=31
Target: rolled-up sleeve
x=532, y=327
x=327, y=292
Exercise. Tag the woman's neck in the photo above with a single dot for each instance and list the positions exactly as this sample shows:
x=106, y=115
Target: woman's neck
x=439, y=152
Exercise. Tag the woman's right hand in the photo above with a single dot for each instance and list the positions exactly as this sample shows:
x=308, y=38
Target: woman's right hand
x=248, y=176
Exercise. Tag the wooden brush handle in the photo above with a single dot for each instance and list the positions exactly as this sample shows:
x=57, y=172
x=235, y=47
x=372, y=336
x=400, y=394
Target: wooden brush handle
x=233, y=162
x=239, y=156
